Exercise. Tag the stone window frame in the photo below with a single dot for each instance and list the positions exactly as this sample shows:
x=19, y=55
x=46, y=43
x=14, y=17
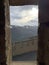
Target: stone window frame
x=7, y=33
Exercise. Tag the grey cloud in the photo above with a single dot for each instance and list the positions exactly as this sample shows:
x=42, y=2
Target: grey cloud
x=16, y=17
x=32, y=23
x=22, y=8
x=28, y=7
x=16, y=10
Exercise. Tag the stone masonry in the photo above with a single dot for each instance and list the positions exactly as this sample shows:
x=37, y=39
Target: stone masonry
x=43, y=33
x=2, y=34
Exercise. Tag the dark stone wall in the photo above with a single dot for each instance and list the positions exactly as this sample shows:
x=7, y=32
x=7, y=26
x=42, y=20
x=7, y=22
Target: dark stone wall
x=23, y=2
x=43, y=11
x=43, y=45
x=43, y=33
x=2, y=33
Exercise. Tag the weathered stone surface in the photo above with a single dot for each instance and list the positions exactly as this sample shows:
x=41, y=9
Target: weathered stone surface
x=43, y=11
x=46, y=41
x=43, y=45
x=23, y=2
x=7, y=33
x=43, y=33
x=2, y=34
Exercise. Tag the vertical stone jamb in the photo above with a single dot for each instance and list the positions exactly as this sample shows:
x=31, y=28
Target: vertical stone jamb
x=7, y=34
x=43, y=33
x=2, y=34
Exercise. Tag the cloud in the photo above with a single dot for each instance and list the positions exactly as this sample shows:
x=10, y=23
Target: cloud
x=32, y=22
x=28, y=7
x=16, y=17
x=20, y=15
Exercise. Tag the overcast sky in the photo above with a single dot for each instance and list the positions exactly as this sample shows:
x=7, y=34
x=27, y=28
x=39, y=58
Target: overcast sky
x=24, y=15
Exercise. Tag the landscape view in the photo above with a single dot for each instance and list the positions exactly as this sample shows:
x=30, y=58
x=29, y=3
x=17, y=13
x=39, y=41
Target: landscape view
x=24, y=32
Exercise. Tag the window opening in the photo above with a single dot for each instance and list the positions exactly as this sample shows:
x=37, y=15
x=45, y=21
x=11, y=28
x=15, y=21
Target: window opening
x=24, y=32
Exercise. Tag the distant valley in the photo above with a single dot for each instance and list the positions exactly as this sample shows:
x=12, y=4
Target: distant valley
x=20, y=33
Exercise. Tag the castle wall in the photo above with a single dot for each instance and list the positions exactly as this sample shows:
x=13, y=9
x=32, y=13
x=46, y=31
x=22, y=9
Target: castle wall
x=21, y=47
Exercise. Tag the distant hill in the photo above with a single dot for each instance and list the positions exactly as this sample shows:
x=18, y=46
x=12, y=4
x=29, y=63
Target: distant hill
x=19, y=33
